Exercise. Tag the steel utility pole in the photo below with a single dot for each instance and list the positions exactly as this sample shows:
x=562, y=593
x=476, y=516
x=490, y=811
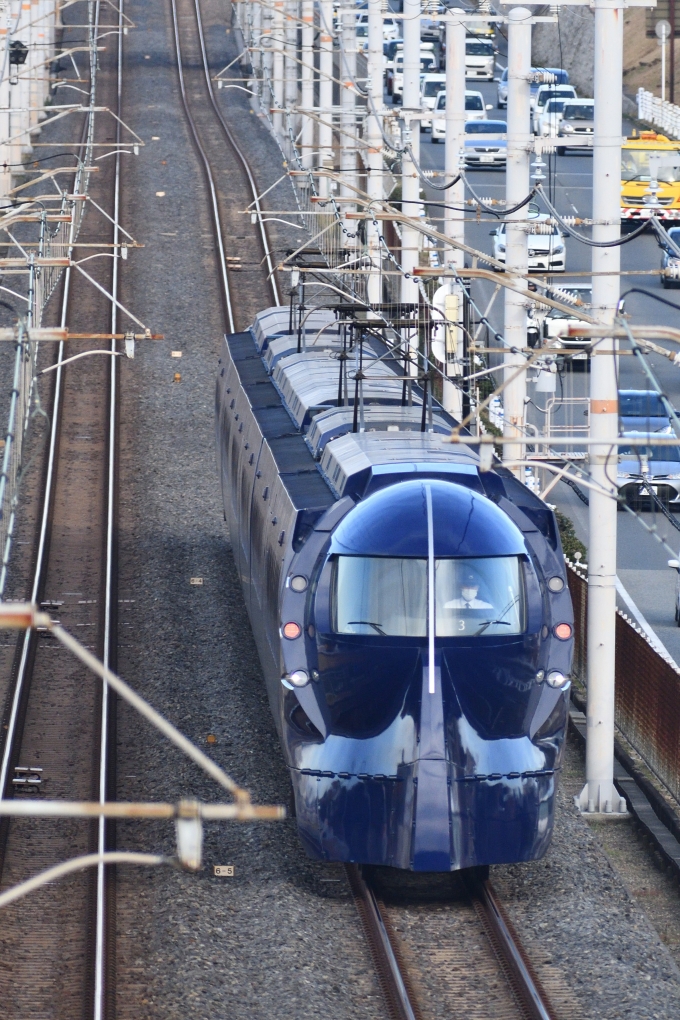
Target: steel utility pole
x=278, y=29
x=599, y=793
x=520, y=142
x=374, y=184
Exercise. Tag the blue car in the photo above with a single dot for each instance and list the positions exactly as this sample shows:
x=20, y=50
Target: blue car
x=487, y=144
x=642, y=411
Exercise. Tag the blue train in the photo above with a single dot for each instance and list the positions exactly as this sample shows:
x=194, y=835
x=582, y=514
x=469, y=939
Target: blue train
x=411, y=611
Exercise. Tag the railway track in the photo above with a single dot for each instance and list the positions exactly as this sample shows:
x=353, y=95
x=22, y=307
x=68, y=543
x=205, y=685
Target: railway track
x=446, y=947
x=58, y=723
x=503, y=977
x=229, y=178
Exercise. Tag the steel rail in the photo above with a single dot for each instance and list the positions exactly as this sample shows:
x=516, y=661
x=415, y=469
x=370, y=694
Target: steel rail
x=239, y=153
x=393, y=977
x=107, y=717
x=217, y=219
x=23, y=669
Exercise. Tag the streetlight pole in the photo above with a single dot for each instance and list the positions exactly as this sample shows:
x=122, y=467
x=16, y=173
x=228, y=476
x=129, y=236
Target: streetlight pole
x=599, y=793
x=520, y=140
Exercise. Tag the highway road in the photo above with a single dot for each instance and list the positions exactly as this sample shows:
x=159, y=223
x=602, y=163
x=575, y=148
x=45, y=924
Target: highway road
x=642, y=570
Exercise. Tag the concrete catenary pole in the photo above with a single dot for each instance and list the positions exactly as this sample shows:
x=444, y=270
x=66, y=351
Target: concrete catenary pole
x=599, y=793
x=374, y=141
x=410, y=182
x=452, y=396
x=325, y=91
x=278, y=30
x=292, y=74
x=348, y=74
x=307, y=81
x=455, y=132
x=517, y=188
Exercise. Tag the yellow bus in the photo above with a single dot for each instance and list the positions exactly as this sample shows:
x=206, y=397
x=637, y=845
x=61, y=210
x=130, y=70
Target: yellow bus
x=637, y=201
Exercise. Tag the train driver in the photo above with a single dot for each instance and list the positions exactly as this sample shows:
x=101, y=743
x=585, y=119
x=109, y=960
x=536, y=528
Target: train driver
x=469, y=591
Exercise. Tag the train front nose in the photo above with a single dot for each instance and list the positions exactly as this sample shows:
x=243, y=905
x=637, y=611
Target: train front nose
x=427, y=686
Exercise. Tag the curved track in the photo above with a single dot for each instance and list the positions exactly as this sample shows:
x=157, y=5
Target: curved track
x=209, y=132
x=58, y=722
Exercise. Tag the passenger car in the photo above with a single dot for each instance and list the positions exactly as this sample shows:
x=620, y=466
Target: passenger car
x=561, y=77
x=546, y=251
x=475, y=109
x=556, y=323
x=652, y=467
x=430, y=87
x=480, y=58
x=642, y=411
x=428, y=64
x=544, y=94
x=549, y=120
x=486, y=146
x=575, y=130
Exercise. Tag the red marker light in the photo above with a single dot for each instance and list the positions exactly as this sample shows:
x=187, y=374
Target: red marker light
x=291, y=630
x=563, y=631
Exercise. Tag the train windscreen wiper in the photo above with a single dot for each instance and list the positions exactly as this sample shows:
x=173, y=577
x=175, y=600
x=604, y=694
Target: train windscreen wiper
x=369, y=623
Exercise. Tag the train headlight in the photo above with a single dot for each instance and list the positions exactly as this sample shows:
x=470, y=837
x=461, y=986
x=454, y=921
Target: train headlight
x=556, y=583
x=298, y=582
x=556, y=678
x=563, y=631
x=291, y=630
x=299, y=678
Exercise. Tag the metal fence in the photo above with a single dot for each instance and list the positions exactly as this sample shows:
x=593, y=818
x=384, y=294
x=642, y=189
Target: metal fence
x=660, y=113
x=647, y=689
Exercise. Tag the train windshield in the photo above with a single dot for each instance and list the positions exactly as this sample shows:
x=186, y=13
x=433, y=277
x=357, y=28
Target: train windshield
x=388, y=596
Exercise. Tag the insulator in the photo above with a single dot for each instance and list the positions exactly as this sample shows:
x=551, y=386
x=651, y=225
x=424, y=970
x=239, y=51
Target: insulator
x=484, y=7
x=564, y=296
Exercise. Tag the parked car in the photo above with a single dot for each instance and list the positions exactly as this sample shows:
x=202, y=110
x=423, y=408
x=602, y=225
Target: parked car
x=430, y=87
x=642, y=411
x=645, y=468
x=546, y=251
x=486, y=146
x=480, y=58
x=576, y=126
x=475, y=109
x=670, y=259
x=544, y=94
x=556, y=324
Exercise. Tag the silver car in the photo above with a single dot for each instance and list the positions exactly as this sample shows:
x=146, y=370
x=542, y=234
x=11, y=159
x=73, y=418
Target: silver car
x=575, y=130
x=645, y=472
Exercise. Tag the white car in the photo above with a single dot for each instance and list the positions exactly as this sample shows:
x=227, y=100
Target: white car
x=391, y=28
x=556, y=324
x=549, y=121
x=475, y=109
x=545, y=94
x=546, y=251
x=430, y=87
x=480, y=59
x=428, y=64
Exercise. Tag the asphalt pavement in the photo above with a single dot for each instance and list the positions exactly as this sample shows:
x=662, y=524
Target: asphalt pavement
x=646, y=582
